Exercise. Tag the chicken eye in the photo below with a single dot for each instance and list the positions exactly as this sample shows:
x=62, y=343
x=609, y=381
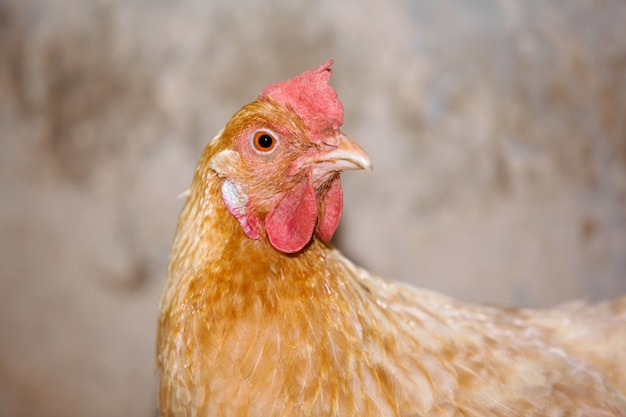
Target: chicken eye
x=264, y=141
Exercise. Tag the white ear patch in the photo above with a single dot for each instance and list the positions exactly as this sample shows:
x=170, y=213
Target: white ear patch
x=235, y=198
x=236, y=201
x=225, y=164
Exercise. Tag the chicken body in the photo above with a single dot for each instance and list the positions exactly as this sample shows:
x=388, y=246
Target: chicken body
x=261, y=317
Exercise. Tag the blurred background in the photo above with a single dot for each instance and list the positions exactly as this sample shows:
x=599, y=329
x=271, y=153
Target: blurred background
x=497, y=129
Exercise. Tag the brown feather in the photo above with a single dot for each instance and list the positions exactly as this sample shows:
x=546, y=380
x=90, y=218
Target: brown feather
x=246, y=330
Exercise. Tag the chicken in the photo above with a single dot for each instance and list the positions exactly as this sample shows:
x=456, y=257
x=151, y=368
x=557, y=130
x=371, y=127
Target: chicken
x=261, y=316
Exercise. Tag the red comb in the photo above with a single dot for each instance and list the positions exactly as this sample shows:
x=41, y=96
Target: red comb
x=310, y=96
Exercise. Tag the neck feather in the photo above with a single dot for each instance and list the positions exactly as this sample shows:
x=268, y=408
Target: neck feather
x=212, y=254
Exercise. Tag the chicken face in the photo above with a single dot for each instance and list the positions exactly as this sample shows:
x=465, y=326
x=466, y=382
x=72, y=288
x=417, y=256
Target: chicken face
x=281, y=163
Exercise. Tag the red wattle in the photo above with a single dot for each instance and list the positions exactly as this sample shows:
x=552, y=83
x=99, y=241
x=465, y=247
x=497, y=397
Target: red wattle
x=333, y=205
x=291, y=223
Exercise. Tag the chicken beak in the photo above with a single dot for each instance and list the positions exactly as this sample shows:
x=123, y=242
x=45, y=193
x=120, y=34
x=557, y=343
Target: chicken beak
x=341, y=155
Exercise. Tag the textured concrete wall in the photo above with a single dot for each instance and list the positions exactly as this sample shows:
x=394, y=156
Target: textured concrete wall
x=497, y=131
